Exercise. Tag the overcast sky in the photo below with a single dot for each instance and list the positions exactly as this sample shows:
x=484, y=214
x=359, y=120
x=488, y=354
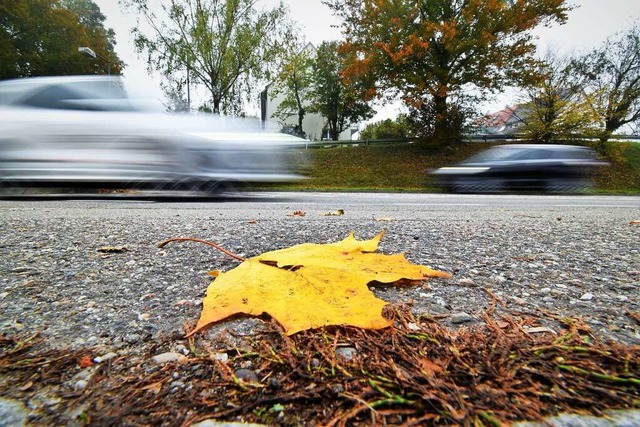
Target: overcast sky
x=589, y=24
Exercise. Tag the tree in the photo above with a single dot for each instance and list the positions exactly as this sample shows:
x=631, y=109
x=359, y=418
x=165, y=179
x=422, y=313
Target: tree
x=333, y=97
x=611, y=78
x=386, y=129
x=429, y=50
x=555, y=106
x=424, y=119
x=293, y=82
x=41, y=38
x=224, y=45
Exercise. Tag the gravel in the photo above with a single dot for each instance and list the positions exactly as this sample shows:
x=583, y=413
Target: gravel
x=94, y=276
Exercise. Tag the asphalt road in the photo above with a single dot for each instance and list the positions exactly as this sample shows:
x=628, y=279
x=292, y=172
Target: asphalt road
x=247, y=206
x=575, y=256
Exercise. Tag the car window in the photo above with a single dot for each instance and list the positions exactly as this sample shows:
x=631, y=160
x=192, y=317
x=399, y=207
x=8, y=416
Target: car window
x=85, y=97
x=54, y=97
x=576, y=154
x=531, y=154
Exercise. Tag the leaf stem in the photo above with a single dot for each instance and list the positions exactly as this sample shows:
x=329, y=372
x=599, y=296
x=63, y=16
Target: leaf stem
x=206, y=242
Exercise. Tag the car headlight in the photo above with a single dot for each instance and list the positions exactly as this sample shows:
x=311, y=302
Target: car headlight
x=467, y=170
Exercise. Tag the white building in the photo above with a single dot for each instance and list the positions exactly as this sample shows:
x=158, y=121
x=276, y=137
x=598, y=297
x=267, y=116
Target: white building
x=312, y=124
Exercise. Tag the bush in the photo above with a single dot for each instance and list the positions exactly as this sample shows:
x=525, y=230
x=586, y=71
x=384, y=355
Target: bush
x=386, y=129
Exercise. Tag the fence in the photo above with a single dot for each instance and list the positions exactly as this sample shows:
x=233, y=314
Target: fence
x=519, y=137
x=468, y=138
x=357, y=142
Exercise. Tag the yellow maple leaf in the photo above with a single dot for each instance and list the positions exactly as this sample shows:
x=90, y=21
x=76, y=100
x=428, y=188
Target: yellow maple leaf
x=311, y=285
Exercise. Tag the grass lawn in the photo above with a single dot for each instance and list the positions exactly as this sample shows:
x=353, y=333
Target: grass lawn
x=402, y=167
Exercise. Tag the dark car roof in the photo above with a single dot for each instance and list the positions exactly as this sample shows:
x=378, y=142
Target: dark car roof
x=517, y=152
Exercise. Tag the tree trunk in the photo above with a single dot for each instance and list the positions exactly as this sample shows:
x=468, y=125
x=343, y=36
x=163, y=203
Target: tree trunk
x=300, y=118
x=216, y=104
x=441, y=129
x=333, y=128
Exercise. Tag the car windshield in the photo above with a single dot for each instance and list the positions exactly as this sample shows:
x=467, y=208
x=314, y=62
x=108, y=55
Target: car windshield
x=501, y=154
x=496, y=154
x=105, y=95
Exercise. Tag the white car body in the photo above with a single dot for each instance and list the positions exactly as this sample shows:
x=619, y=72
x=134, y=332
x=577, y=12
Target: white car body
x=82, y=130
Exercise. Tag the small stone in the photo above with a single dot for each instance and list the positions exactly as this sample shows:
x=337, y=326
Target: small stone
x=221, y=357
x=105, y=357
x=347, y=353
x=587, y=297
x=12, y=413
x=466, y=282
x=81, y=385
x=132, y=338
x=545, y=290
x=413, y=327
x=163, y=358
x=176, y=384
x=337, y=388
x=247, y=375
x=462, y=317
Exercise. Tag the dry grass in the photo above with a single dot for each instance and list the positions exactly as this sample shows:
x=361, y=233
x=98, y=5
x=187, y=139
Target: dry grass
x=403, y=167
x=415, y=373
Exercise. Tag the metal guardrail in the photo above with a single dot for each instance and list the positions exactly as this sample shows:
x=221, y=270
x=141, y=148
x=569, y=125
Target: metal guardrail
x=468, y=138
x=320, y=144
x=518, y=137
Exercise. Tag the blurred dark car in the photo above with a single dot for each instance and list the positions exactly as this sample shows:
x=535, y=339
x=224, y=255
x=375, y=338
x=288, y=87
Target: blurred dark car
x=548, y=167
x=84, y=131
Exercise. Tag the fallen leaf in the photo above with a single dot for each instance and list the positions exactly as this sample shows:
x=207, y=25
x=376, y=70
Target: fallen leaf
x=113, y=249
x=383, y=219
x=26, y=386
x=155, y=388
x=335, y=213
x=85, y=362
x=311, y=285
x=634, y=222
x=297, y=213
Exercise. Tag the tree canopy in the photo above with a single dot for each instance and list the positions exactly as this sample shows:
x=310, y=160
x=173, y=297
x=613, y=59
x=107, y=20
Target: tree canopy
x=228, y=46
x=338, y=100
x=610, y=77
x=426, y=50
x=294, y=81
x=555, y=106
x=41, y=38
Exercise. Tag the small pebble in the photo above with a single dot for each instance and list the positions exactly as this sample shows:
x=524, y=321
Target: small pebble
x=163, y=358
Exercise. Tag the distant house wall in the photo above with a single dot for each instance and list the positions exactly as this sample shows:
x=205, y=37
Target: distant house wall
x=502, y=122
x=312, y=124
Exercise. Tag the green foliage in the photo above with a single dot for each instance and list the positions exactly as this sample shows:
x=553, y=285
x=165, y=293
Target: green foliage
x=41, y=38
x=611, y=78
x=227, y=46
x=433, y=128
x=294, y=82
x=401, y=167
x=336, y=99
x=555, y=106
x=428, y=50
x=624, y=172
x=387, y=129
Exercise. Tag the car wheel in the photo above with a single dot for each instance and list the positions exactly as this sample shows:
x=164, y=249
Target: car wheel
x=567, y=185
x=488, y=185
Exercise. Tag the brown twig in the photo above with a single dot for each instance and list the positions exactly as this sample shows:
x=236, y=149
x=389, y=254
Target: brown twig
x=206, y=242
